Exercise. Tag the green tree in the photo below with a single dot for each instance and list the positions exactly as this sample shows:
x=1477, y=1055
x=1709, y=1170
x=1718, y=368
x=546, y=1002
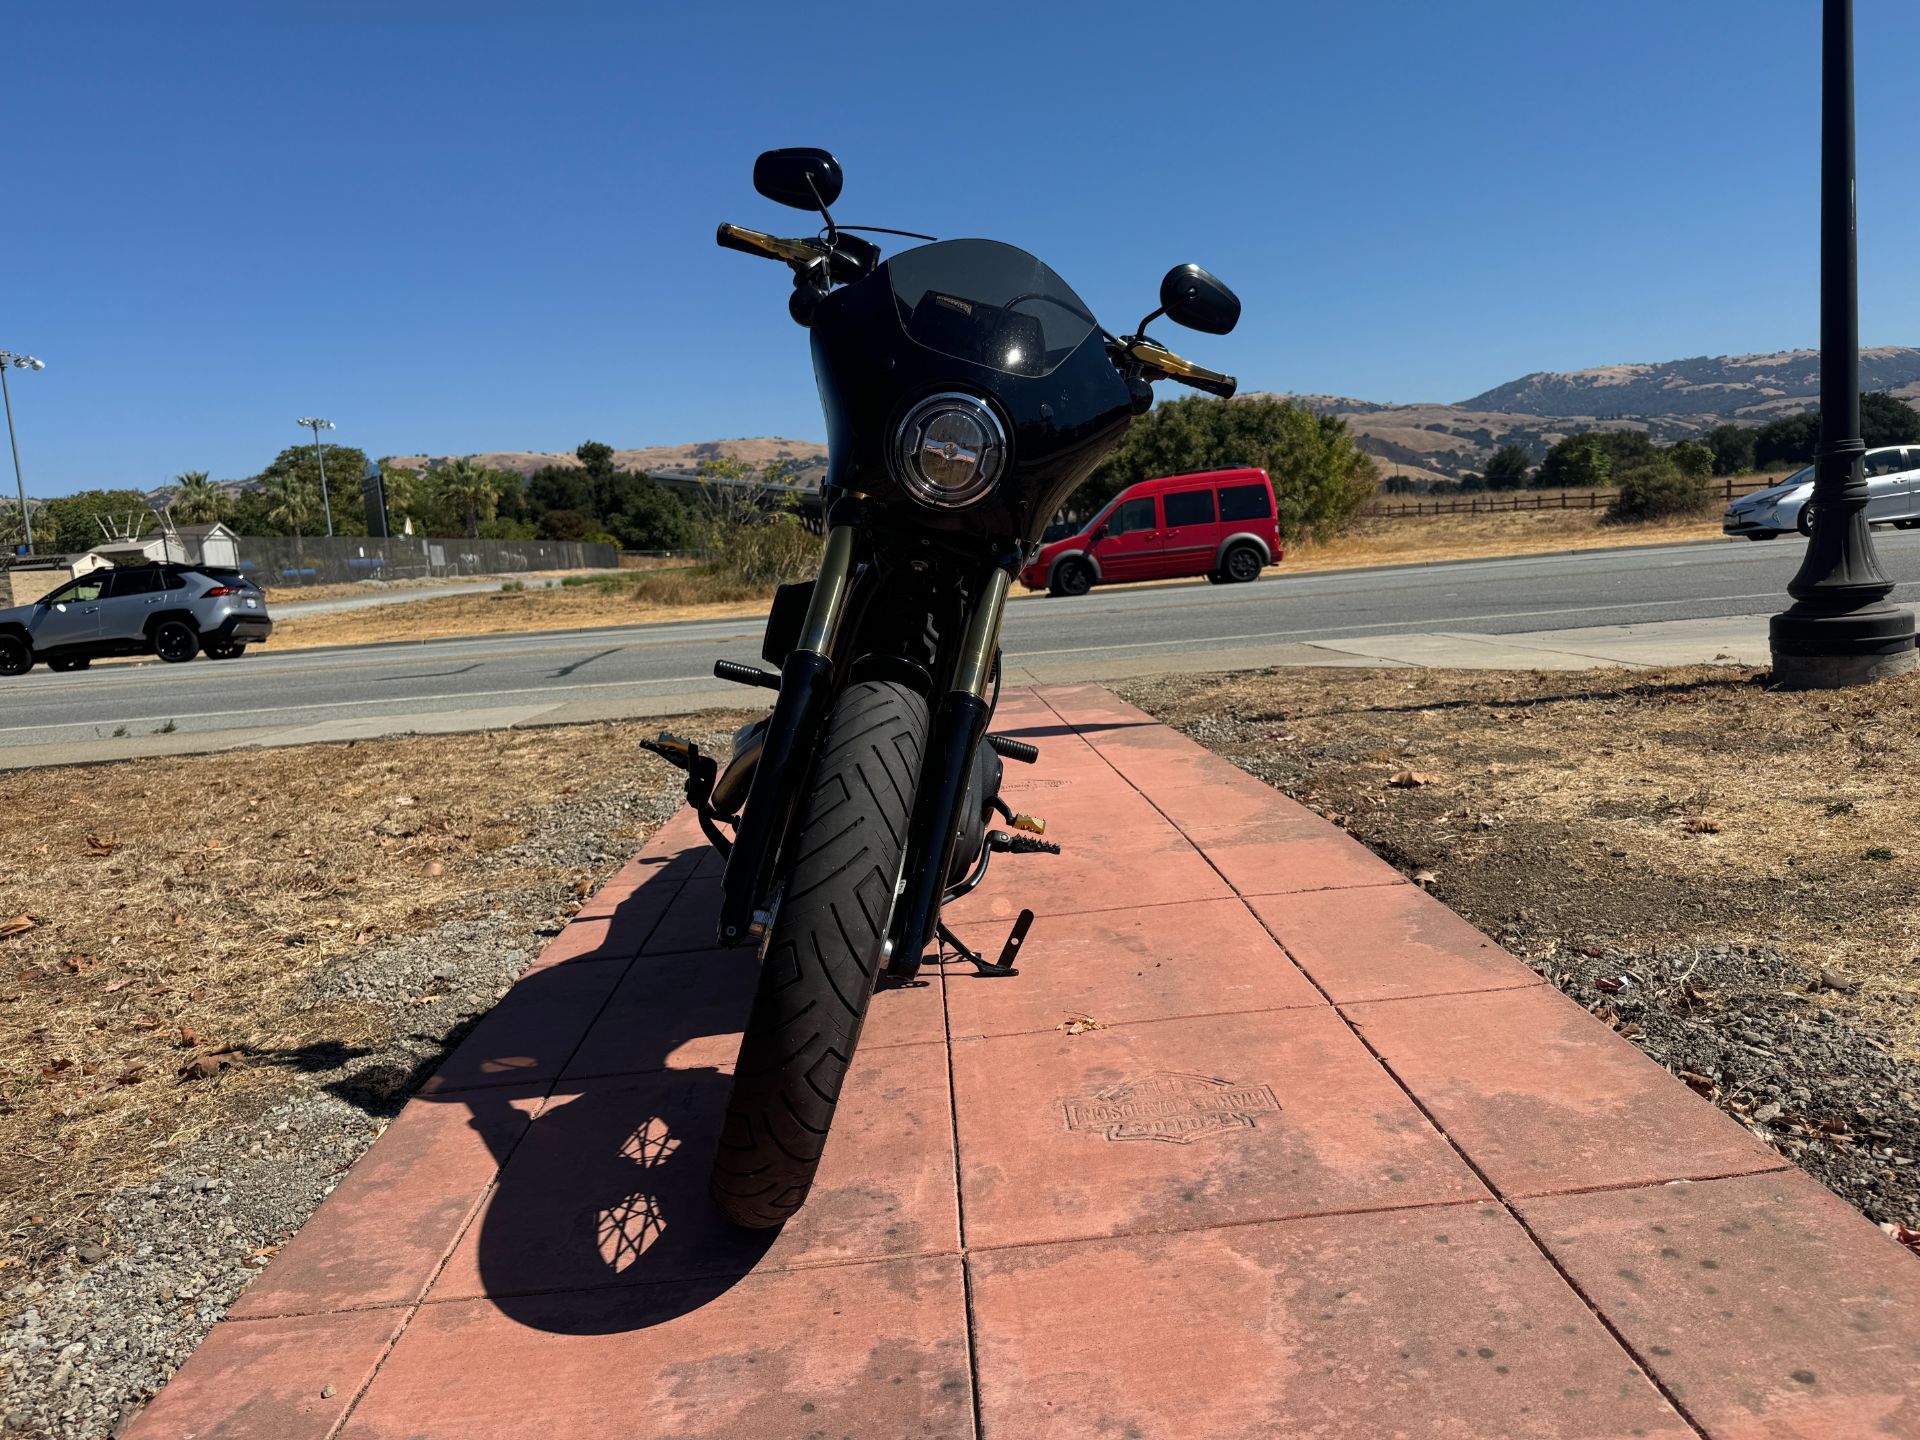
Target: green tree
x=345, y=465
x=194, y=500
x=1692, y=457
x=566, y=525
x=472, y=490
x=1658, y=490
x=1732, y=447
x=72, y=522
x=291, y=502
x=1320, y=476
x=1788, y=440
x=1888, y=420
x=1576, y=462
x=1508, y=469
x=654, y=520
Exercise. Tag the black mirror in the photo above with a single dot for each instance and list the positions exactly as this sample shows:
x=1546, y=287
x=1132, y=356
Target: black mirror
x=804, y=178
x=1193, y=298
x=1101, y=533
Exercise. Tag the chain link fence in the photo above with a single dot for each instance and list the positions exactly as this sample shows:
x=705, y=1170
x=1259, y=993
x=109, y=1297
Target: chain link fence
x=281, y=562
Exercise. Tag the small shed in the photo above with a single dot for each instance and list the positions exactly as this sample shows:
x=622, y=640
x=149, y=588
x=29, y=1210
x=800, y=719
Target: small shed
x=212, y=544
x=31, y=576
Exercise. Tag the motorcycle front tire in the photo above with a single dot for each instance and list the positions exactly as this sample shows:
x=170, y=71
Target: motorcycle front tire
x=823, y=954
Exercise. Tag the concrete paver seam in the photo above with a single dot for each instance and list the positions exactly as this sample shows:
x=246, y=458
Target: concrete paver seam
x=1640, y=1362
x=491, y=1188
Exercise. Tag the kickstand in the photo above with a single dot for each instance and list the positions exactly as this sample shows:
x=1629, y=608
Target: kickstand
x=1002, y=967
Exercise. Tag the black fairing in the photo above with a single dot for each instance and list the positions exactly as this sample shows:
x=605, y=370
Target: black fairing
x=870, y=372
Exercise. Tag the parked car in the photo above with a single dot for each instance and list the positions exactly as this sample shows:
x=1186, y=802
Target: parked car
x=1893, y=497
x=173, y=611
x=1219, y=524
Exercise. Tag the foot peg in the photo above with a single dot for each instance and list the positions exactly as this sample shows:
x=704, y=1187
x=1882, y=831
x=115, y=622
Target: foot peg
x=1009, y=952
x=1020, y=844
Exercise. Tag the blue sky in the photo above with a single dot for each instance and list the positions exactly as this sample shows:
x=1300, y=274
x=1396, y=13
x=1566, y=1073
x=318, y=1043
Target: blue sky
x=475, y=226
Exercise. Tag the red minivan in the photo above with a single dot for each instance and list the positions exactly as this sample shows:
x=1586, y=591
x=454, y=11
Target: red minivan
x=1219, y=524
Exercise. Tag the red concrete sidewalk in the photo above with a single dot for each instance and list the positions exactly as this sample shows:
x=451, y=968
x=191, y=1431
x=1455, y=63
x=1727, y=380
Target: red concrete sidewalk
x=1332, y=1165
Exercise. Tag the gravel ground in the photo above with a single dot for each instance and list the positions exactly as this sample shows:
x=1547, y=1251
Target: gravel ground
x=123, y=1299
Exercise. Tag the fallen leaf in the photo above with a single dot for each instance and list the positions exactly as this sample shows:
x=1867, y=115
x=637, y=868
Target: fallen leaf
x=1426, y=878
x=1410, y=779
x=201, y=1067
x=1701, y=1084
x=101, y=846
x=78, y=963
x=1896, y=1231
x=1700, y=825
x=1079, y=1024
x=1611, y=984
x=120, y=984
x=18, y=925
x=186, y=1039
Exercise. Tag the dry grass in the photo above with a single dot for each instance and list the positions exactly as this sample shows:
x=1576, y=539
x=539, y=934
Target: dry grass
x=1640, y=808
x=1427, y=538
x=630, y=597
x=165, y=923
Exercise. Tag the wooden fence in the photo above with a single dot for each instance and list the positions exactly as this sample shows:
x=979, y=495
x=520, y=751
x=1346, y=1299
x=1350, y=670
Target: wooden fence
x=1724, y=489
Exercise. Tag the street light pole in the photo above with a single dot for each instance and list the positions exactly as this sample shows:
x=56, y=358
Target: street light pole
x=1840, y=630
x=316, y=424
x=10, y=361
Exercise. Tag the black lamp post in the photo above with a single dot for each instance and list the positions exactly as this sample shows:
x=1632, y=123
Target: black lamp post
x=1840, y=630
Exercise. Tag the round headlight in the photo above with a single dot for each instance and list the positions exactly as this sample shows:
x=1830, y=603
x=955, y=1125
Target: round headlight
x=949, y=450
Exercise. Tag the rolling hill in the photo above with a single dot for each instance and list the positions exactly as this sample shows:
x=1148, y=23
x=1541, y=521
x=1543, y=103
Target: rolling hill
x=1671, y=400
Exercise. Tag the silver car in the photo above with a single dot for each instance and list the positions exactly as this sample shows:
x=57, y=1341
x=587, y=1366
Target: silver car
x=1893, y=497
x=173, y=611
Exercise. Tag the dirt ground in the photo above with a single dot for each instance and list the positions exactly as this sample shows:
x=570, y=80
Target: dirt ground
x=1723, y=871
x=184, y=941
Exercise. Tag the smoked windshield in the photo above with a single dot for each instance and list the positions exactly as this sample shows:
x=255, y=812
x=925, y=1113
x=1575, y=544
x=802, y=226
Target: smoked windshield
x=990, y=304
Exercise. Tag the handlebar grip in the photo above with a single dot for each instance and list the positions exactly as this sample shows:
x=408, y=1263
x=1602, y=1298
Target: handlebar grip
x=767, y=247
x=1177, y=367
x=1212, y=382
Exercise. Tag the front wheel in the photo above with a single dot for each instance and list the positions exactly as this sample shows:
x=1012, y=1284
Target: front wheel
x=16, y=656
x=1804, y=524
x=175, y=641
x=823, y=955
x=1071, y=577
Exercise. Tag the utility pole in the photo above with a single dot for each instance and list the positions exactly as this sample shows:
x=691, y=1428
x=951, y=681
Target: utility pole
x=316, y=424
x=1841, y=628
x=11, y=361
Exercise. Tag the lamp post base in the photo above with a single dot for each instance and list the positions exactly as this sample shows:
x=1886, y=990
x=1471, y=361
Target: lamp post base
x=1823, y=647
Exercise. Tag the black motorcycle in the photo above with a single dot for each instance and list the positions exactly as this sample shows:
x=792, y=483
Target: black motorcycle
x=968, y=392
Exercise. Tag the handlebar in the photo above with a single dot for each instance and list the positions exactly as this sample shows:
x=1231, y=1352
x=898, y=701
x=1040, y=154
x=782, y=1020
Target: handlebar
x=767, y=247
x=1185, y=371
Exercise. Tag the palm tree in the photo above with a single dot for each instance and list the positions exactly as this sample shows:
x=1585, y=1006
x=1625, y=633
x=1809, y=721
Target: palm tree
x=472, y=489
x=288, y=502
x=194, y=499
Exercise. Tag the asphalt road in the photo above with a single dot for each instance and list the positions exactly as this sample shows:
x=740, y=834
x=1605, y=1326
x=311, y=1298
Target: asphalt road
x=502, y=680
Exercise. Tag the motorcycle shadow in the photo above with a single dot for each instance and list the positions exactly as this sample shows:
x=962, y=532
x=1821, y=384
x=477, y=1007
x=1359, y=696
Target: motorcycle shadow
x=605, y=1192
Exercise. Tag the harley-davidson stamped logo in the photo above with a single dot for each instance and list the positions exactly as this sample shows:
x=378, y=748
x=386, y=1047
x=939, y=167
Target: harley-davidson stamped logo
x=1171, y=1106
